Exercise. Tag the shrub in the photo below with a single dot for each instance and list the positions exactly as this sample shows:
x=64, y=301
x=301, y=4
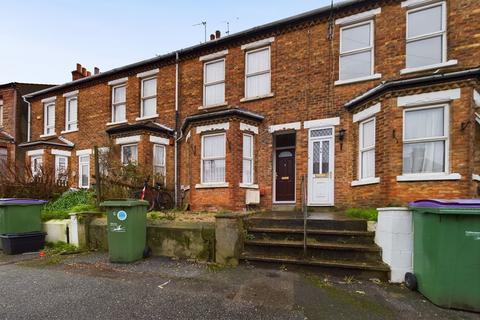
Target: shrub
x=369, y=214
x=69, y=202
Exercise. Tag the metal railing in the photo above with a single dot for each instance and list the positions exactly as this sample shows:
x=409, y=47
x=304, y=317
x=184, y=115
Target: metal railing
x=304, y=191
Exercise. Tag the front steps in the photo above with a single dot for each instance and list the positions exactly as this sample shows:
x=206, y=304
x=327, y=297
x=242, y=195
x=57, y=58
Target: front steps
x=337, y=244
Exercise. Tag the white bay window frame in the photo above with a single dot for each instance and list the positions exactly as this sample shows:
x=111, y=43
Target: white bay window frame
x=248, y=157
x=221, y=157
x=258, y=73
x=144, y=98
x=36, y=164
x=61, y=171
x=159, y=165
x=71, y=121
x=119, y=104
x=214, y=83
x=364, y=149
x=134, y=155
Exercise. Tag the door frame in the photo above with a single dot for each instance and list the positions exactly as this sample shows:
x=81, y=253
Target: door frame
x=274, y=170
x=332, y=163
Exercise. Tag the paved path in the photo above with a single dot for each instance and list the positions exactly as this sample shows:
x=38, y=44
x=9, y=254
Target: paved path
x=87, y=286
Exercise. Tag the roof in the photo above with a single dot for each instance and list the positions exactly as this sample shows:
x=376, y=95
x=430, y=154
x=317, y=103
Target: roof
x=147, y=126
x=17, y=84
x=50, y=141
x=411, y=82
x=207, y=45
x=6, y=136
x=236, y=111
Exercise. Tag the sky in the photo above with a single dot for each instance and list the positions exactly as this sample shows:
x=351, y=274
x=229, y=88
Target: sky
x=41, y=41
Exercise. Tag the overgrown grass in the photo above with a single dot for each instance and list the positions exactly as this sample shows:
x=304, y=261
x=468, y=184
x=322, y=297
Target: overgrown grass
x=59, y=248
x=369, y=214
x=69, y=202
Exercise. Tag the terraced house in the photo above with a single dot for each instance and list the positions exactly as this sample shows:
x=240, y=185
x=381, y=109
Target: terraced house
x=363, y=103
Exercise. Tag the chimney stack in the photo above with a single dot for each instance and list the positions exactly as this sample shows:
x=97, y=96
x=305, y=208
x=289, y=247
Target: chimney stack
x=80, y=72
x=218, y=34
x=212, y=37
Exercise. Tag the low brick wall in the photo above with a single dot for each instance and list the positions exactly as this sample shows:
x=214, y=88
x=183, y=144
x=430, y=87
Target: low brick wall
x=185, y=240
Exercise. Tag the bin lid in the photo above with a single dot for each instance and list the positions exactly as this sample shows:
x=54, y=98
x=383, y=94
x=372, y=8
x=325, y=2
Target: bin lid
x=20, y=201
x=454, y=206
x=123, y=203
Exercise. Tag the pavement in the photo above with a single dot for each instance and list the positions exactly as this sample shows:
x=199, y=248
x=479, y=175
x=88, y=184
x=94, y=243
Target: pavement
x=87, y=286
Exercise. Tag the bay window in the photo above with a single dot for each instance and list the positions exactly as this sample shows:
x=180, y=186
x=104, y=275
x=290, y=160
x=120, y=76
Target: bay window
x=214, y=83
x=367, y=149
x=129, y=154
x=119, y=96
x=425, y=140
x=61, y=166
x=257, y=73
x=149, y=98
x=84, y=171
x=356, y=51
x=159, y=160
x=247, y=166
x=213, y=158
x=36, y=165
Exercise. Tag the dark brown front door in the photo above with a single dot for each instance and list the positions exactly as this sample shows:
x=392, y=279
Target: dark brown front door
x=285, y=175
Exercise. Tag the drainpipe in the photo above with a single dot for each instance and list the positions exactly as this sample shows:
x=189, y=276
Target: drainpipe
x=176, y=125
x=29, y=118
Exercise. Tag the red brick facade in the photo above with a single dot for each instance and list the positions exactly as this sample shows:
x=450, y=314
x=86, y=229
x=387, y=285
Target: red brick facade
x=304, y=63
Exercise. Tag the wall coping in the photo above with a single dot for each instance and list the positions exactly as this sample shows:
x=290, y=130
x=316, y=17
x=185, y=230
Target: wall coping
x=393, y=209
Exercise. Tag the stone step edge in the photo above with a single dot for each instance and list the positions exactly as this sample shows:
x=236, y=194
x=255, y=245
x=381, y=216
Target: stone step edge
x=316, y=245
x=313, y=231
x=317, y=262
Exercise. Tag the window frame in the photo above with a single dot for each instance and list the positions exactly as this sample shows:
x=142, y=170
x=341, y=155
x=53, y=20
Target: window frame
x=116, y=104
x=157, y=145
x=32, y=165
x=205, y=84
x=143, y=98
x=443, y=32
x=80, y=171
x=251, y=159
x=68, y=121
x=269, y=48
x=57, y=162
x=362, y=150
x=445, y=138
x=202, y=158
x=357, y=51
x=122, y=147
x=46, y=126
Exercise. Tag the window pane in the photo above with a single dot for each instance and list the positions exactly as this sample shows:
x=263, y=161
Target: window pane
x=316, y=157
x=119, y=94
x=72, y=115
x=247, y=146
x=159, y=156
x=424, y=157
x=424, y=52
x=149, y=107
x=356, y=38
x=85, y=173
x=214, y=171
x=247, y=171
x=119, y=113
x=258, y=61
x=214, y=94
x=368, y=131
x=425, y=21
x=258, y=85
x=51, y=115
x=149, y=88
x=215, y=72
x=325, y=156
x=356, y=65
x=3, y=158
x=368, y=164
x=214, y=146
x=424, y=123
x=129, y=154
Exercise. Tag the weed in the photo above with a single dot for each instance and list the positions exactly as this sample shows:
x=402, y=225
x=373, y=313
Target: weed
x=369, y=214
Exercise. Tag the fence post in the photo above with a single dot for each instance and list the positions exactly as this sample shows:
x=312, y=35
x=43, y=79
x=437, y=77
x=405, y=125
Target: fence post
x=98, y=180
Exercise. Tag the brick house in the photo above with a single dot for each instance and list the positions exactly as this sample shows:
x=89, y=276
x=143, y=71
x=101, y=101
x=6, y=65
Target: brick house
x=13, y=121
x=360, y=110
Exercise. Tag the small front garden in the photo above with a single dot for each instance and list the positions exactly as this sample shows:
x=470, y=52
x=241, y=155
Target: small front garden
x=69, y=202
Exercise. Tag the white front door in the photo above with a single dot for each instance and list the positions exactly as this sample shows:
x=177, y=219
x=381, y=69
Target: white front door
x=321, y=167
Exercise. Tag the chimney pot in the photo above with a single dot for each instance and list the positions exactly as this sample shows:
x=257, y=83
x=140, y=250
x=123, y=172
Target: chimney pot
x=96, y=70
x=84, y=71
x=89, y=73
x=212, y=37
x=218, y=34
x=79, y=68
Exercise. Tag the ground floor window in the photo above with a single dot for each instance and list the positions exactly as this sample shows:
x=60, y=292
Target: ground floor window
x=425, y=139
x=247, y=167
x=159, y=160
x=84, y=171
x=61, y=166
x=129, y=154
x=36, y=163
x=367, y=149
x=3, y=158
x=213, y=158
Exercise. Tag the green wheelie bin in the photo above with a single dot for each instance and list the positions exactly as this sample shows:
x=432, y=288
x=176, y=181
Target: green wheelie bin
x=20, y=216
x=127, y=229
x=446, y=254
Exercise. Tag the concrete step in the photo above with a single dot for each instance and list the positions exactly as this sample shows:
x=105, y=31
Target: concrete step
x=320, y=235
x=360, y=270
x=315, y=250
x=312, y=224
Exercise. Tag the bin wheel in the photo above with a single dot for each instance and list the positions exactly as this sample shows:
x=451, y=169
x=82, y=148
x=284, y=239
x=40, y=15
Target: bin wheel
x=411, y=281
x=147, y=252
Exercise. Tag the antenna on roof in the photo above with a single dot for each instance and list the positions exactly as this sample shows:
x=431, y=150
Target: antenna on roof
x=204, y=23
x=330, y=23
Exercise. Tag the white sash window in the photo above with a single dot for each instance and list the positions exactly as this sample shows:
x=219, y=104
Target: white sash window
x=71, y=116
x=49, y=119
x=149, y=97
x=257, y=74
x=356, y=51
x=214, y=83
x=213, y=158
x=247, y=177
x=119, y=98
x=367, y=149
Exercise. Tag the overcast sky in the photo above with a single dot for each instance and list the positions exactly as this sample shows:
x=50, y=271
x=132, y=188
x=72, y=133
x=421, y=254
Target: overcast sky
x=41, y=41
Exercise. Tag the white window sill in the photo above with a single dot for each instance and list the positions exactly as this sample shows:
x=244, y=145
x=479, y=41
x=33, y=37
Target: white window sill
x=367, y=78
x=429, y=177
x=429, y=67
x=248, y=186
x=223, y=104
x=211, y=185
x=476, y=177
x=147, y=118
x=246, y=99
x=48, y=135
x=68, y=131
x=115, y=123
x=364, y=182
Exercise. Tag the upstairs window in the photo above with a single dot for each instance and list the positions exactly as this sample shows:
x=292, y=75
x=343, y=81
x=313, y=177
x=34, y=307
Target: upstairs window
x=49, y=119
x=426, y=36
x=257, y=74
x=149, y=98
x=367, y=149
x=213, y=158
x=129, y=154
x=356, y=51
x=1, y=112
x=71, y=116
x=119, y=98
x=214, y=83
x=247, y=177
x=425, y=140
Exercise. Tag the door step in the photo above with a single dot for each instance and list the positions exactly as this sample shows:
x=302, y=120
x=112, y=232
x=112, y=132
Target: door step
x=284, y=207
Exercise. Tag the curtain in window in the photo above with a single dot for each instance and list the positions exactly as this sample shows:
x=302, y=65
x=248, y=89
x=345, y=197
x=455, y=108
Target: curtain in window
x=159, y=160
x=214, y=158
